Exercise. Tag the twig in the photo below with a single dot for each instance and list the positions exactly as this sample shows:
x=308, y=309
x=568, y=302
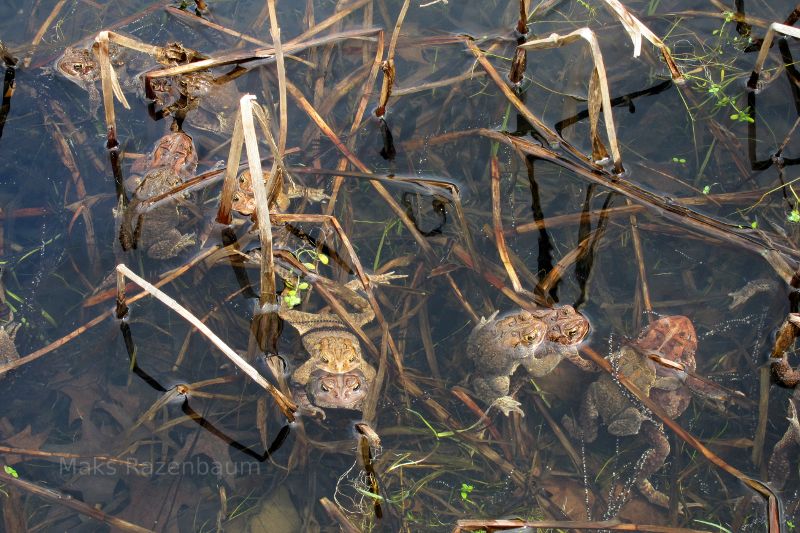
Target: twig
x=286, y=405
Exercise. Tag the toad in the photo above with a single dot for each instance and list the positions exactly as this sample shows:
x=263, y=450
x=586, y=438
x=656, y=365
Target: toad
x=537, y=340
x=8, y=330
x=785, y=449
x=334, y=355
x=337, y=391
x=173, y=160
x=244, y=201
x=671, y=338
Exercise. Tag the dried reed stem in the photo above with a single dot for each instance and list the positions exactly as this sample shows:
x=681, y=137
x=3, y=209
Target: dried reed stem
x=193, y=19
x=388, y=66
x=557, y=41
x=285, y=404
x=637, y=249
x=636, y=30
x=229, y=186
x=261, y=53
x=497, y=222
x=267, y=288
x=283, y=121
x=774, y=28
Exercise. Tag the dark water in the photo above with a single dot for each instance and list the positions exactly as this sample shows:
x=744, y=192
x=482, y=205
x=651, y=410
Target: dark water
x=681, y=142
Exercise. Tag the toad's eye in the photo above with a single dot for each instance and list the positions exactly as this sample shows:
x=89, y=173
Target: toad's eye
x=352, y=359
x=324, y=388
x=529, y=338
x=236, y=197
x=326, y=360
x=358, y=386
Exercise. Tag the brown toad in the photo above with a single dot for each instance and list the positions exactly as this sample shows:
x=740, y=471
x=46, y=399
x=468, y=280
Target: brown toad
x=784, y=453
x=671, y=338
x=333, y=354
x=245, y=203
x=173, y=159
x=329, y=390
x=537, y=340
x=8, y=330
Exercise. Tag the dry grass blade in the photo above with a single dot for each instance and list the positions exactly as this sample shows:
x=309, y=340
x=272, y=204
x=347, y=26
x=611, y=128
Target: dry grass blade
x=338, y=516
x=193, y=19
x=556, y=41
x=498, y=227
x=275, y=31
x=540, y=127
x=388, y=66
x=267, y=288
x=286, y=405
x=774, y=28
x=636, y=30
x=229, y=187
x=106, y=83
x=261, y=53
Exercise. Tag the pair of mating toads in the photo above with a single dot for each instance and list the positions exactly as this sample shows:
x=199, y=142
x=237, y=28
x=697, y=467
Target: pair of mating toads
x=539, y=340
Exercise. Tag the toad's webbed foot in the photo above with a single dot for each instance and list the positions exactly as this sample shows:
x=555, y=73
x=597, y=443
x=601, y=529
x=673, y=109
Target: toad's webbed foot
x=507, y=405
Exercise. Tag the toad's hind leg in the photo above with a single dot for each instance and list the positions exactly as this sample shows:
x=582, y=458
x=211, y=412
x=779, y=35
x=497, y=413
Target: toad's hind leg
x=494, y=391
x=652, y=461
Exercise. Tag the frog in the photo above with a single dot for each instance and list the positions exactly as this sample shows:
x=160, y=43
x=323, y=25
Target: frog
x=333, y=353
x=538, y=340
x=244, y=201
x=172, y=161
x=672, y=338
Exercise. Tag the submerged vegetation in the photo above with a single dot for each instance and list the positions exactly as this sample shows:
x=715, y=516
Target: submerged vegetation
x=415, y=265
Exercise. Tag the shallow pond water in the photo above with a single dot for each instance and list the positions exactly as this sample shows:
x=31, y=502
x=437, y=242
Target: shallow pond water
x=85, y=420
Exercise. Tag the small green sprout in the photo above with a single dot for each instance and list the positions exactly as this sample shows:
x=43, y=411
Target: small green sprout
x=10, y=471
x=302, y=286
x=707, y=189
x=679, y=160
x=794, y=216
x=323, y=259
x=743, y=116
x=754, y=224
x=466, y=490
x=790, y=524
x=291, y=298
x=309, y=266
